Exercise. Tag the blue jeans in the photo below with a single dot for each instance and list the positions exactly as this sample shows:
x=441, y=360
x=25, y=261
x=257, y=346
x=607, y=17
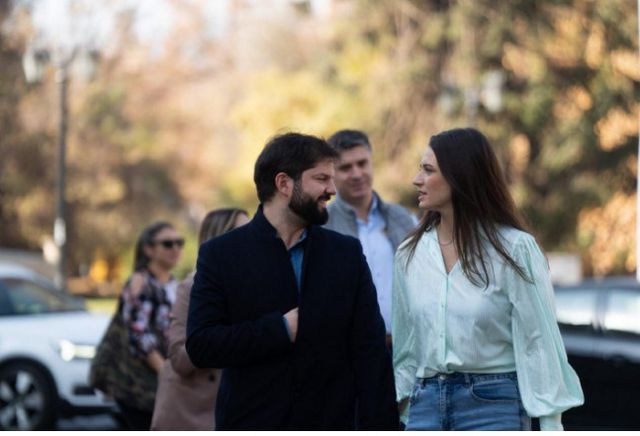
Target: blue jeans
x=464, y=401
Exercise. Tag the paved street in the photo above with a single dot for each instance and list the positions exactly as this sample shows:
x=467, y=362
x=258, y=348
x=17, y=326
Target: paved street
x=97, y=422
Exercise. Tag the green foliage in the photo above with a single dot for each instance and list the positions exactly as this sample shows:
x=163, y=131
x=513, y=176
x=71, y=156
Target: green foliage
x=149, y=146
x=23, y=158
x=117, y=186
x=567, y=91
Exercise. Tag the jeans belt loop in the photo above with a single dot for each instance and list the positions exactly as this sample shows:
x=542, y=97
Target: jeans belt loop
x=467, y=378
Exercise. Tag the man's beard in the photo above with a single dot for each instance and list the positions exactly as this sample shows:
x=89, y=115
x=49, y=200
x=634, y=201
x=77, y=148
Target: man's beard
x=306, y=207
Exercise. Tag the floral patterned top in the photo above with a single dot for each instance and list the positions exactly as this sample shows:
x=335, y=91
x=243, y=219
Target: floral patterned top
x=145, y=311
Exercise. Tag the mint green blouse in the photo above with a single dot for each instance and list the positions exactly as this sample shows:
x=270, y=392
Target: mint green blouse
x=443, y=323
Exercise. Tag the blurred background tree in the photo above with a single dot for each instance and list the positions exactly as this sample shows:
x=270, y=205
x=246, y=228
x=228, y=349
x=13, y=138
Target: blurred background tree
x=176, y=118
x=25, y=186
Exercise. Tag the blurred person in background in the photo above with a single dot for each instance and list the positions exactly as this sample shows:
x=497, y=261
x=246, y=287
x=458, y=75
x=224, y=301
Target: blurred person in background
x=145, y=305
x=360, y=212
x=476, y=341
x=186, y=396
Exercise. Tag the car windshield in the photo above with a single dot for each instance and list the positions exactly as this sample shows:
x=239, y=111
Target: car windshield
x=576, y=307
x=26, y=297
x=623, y=313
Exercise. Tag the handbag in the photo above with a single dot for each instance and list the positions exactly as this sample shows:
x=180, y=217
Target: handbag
x=120, y=374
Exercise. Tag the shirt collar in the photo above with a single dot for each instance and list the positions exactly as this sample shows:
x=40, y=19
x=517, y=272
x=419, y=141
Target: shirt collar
x=376, y=204
x=298, y=244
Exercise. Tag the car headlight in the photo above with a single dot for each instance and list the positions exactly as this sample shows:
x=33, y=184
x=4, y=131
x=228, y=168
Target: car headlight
x=70, y=351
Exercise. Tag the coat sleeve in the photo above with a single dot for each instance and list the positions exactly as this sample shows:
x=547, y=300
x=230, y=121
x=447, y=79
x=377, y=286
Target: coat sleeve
x=547, y=382
x=377, y=409
x=213, y=339
x=178, y=356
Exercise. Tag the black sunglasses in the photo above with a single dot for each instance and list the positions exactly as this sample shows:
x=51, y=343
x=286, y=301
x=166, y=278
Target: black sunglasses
x=169, y=243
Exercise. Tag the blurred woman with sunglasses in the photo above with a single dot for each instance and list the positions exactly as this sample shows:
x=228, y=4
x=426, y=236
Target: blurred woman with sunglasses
x=186, y=395
x=145, y=305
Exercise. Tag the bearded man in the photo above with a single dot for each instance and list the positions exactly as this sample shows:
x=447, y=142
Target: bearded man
x=288, y=309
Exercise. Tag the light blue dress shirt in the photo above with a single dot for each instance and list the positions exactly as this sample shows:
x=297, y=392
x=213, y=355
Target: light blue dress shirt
x=379, y=254
x=296, y=257
x=443, y=323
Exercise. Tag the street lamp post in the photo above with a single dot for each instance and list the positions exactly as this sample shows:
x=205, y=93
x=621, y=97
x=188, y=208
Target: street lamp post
x=67, y=34
x=34, y=63
x=60, y=224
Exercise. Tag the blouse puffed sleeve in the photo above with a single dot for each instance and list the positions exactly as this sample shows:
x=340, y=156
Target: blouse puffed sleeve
x=404, y=364
x=548, y=384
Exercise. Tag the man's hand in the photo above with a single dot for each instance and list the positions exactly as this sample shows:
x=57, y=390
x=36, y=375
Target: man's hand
x=292, y=319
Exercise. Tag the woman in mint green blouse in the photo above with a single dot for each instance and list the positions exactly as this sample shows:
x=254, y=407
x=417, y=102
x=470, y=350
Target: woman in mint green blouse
x=476, y=345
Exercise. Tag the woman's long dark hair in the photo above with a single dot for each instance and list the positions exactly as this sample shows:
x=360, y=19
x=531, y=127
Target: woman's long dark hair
x=481, y=202
x=140, y=258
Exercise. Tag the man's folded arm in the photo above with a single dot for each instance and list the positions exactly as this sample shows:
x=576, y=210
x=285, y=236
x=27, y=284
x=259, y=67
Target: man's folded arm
x=214, y=342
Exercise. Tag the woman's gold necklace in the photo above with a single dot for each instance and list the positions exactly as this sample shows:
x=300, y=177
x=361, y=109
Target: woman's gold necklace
x=446, y=243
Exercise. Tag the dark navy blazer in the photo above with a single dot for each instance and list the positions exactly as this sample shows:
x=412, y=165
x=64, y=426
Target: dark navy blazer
x=337, y=375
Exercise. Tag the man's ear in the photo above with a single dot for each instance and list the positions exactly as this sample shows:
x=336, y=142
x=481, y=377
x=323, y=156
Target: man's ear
x=284, y=184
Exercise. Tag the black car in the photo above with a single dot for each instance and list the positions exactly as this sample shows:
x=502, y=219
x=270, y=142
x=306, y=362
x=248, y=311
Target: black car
x=600, y=325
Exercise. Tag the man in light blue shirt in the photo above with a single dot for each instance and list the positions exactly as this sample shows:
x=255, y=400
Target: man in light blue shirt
x=359, y=211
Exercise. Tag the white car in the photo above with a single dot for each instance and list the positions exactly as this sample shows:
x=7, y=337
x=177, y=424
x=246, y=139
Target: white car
x=47, y=341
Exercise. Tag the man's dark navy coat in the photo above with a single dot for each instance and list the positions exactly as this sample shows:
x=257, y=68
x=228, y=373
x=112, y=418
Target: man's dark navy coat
x=337, y=375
